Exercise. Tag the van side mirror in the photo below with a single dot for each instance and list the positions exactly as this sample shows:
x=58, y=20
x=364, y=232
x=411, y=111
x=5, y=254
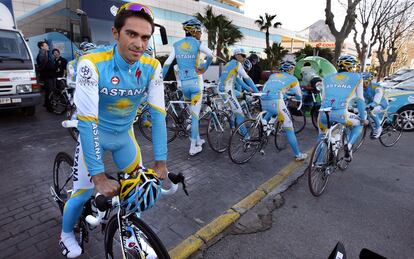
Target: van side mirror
x=163, y=33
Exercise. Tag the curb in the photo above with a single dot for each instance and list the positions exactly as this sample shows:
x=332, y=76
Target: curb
x=195, y=242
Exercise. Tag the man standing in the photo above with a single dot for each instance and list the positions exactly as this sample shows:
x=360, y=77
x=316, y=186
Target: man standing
x=60, y=63
x=46, y=70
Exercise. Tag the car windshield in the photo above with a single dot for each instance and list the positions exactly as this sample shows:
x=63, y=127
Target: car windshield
x=408, y=85
x=404, y=77
x=12, y=46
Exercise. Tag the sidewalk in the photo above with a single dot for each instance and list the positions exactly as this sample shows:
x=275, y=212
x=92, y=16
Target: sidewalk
x=30, y=221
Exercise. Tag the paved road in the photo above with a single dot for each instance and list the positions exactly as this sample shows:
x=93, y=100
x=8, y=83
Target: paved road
x=30, y=221
x=370, y=206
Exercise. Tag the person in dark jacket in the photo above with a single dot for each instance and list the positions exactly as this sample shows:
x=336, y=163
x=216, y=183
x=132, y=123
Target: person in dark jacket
x=256, y=71
x=60, y=63
x=46, y=70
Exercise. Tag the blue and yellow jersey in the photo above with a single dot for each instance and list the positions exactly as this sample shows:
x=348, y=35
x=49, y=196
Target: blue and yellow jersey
x=280, y=83
x=228, y=78
x=108, y=93
x=375, y=93
x=187, y=52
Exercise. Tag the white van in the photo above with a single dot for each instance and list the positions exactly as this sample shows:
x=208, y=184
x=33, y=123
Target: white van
x=18, y=85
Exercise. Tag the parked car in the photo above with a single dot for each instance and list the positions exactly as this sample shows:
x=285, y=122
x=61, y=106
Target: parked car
x=398, y=73
x=399, y=79
x=401, y=100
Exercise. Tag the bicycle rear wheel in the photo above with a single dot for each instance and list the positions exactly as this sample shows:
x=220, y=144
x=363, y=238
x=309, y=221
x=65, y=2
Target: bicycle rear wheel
x=392, y=131
x=58, y=103
x=219, y=131
x=62, y=178
x=135, y=240
x=70, y=115
x=245, y=141
x=314, y=115
x=280, y=137
x=144, y=123
x=319, y=168
x=360, y=140
x=298, y=119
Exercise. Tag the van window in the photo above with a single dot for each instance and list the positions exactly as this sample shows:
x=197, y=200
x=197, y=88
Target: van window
x=12, y=46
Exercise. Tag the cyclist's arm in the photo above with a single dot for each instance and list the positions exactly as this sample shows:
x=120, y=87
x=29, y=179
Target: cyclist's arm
x=241, y=85
x=379, y=93
x=209, y=56
x=249, y=81
x=167, y=63
x=295, y=87
x=157, y=109
x=87, y=105
x=360, y=101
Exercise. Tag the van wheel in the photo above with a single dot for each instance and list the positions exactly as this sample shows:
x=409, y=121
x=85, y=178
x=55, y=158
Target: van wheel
x=29, y=111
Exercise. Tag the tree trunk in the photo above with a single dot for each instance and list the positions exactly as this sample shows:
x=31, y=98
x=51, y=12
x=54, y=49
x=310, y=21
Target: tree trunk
x=267, y=39
x=338, y=49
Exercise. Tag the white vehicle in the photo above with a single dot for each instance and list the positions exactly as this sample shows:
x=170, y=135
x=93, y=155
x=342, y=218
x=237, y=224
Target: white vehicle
x=18, y=86
x=409, y=75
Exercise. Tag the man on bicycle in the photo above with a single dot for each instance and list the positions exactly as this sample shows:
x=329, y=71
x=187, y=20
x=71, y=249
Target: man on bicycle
x=187, y=52
x=229, y=76
x=273, y=103
x=110, y=84
x=375, y=100
x=72, y=65
x=340, y=91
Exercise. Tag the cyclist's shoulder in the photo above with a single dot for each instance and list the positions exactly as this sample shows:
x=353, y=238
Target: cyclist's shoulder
x=98, y=55
x=150, y=62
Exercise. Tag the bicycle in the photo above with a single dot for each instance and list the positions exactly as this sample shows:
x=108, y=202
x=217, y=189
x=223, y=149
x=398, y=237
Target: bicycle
x=296, y=115
x=61, y=97
x=126, y=234
x=327, y=156
x=392, y=127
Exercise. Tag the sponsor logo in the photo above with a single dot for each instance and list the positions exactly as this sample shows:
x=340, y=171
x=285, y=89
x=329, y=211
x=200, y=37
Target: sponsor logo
x=85, y=72
x=338, y=86
x=186, y=56
x=115, y=80
x=138, y=73
x=121, y=92
x=86, y=77
x=96, y=141
x=76, y=163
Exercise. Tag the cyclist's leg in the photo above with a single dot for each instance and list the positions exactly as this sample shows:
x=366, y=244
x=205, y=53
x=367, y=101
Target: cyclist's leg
x=352, y=120
x=270, y=107
x=322, y=127
x=193, y=92
x=127, y=156
x=82, y=191
x=377, y=115
x=238, y=113
x=283, y=117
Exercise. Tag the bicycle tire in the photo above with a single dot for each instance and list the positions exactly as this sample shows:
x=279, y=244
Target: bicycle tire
x=146, y=234
x=281, y=141
x=219, y=125
x=323, y=144
x=74, y=132
x=314, y=116
x=298, y=119
x=146, y=131
x=58, y=185
x=253, y=140
x=57, y=103
x=340, y=158
x=396, y=126
x=360, y=140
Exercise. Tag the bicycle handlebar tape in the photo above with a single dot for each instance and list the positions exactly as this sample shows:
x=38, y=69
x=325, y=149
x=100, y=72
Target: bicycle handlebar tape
x=103, y=203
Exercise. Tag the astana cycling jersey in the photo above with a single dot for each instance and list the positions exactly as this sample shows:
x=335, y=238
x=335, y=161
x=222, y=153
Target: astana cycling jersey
x=280, y=83
x=228, y=77
x=187, y=52
x=108, y=93
x=340, y=89
x=375, y=93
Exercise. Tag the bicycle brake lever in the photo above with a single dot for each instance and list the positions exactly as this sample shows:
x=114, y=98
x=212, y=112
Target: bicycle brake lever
x=185, y=188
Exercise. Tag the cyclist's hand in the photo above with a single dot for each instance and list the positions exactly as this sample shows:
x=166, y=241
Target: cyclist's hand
x=365, y=122
x=200, y=70
x=105, y=186
x=160, y=167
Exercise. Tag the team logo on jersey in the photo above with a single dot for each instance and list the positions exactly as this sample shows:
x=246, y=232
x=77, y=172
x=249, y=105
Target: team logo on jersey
x=85, y=72
x=185, y=46
x=340, y=77
x=115, y=80
x=138, y=73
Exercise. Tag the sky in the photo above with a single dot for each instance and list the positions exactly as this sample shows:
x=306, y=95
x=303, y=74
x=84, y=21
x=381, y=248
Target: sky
x=294, y=15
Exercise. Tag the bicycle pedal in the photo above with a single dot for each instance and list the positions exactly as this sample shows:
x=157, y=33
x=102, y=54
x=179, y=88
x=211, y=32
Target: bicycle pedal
x=262, y=152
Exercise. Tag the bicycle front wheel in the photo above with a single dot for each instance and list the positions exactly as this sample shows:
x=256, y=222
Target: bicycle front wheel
x=135, y=240
x=280, y=137
x=392, y=131
x=360, y=140
x=71, y=115
x=58, y=103
x=62, y=178
x=245, y=141
x=319, y=168
x=298, y=119
x=219, y=131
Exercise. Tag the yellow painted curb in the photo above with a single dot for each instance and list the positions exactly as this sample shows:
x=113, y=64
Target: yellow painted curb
x=217, y=226
x=249, y=202
x=270, y=184
x=186, y=248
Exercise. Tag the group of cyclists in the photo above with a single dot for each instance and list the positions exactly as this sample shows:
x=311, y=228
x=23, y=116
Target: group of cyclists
x=111, y=83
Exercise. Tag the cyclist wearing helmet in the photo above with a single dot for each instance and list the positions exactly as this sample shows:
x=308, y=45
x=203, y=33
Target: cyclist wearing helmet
x=340, y=90
x=374, y=97
x=228, y=79
x=110, y=84
x=240, y=84
x=187, y=52
x=275, y=88
x=71, y=66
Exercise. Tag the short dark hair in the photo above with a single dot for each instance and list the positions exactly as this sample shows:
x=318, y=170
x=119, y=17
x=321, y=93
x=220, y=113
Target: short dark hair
x=53, y=51
x=120, y=18
x=40, y=44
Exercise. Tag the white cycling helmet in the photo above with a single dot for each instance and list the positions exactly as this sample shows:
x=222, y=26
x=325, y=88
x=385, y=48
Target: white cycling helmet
x=239, y=51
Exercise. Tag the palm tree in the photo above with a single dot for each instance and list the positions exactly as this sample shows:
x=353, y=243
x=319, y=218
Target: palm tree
x=265, y=23
x=209, y=19
x=275, y=53
x=227, y=35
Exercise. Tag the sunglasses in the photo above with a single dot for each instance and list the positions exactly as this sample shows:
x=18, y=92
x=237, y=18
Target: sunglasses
x=135, y=7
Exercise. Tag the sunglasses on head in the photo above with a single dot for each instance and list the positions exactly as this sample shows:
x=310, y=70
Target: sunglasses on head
x=136, y=7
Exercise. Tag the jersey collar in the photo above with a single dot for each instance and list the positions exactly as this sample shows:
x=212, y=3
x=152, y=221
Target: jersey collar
x=121, y=63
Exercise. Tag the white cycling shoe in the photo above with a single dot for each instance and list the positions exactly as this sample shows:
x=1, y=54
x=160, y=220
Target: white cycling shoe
x=200, y=141
x=377, y=132
x=301, y=157
x=69, y=245
x=194, y=150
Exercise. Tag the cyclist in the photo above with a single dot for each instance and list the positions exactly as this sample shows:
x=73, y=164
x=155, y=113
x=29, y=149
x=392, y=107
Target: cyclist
x=71, y=66
x=273, y=103
x=374, y=97
x=110, y=84
x=340, y=90
x=240, y=85
x=228, y=79
x=187, y=52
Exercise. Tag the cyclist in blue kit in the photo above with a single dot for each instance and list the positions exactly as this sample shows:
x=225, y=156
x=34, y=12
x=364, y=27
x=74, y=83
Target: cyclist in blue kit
x=187, y=52
x=109, y=86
